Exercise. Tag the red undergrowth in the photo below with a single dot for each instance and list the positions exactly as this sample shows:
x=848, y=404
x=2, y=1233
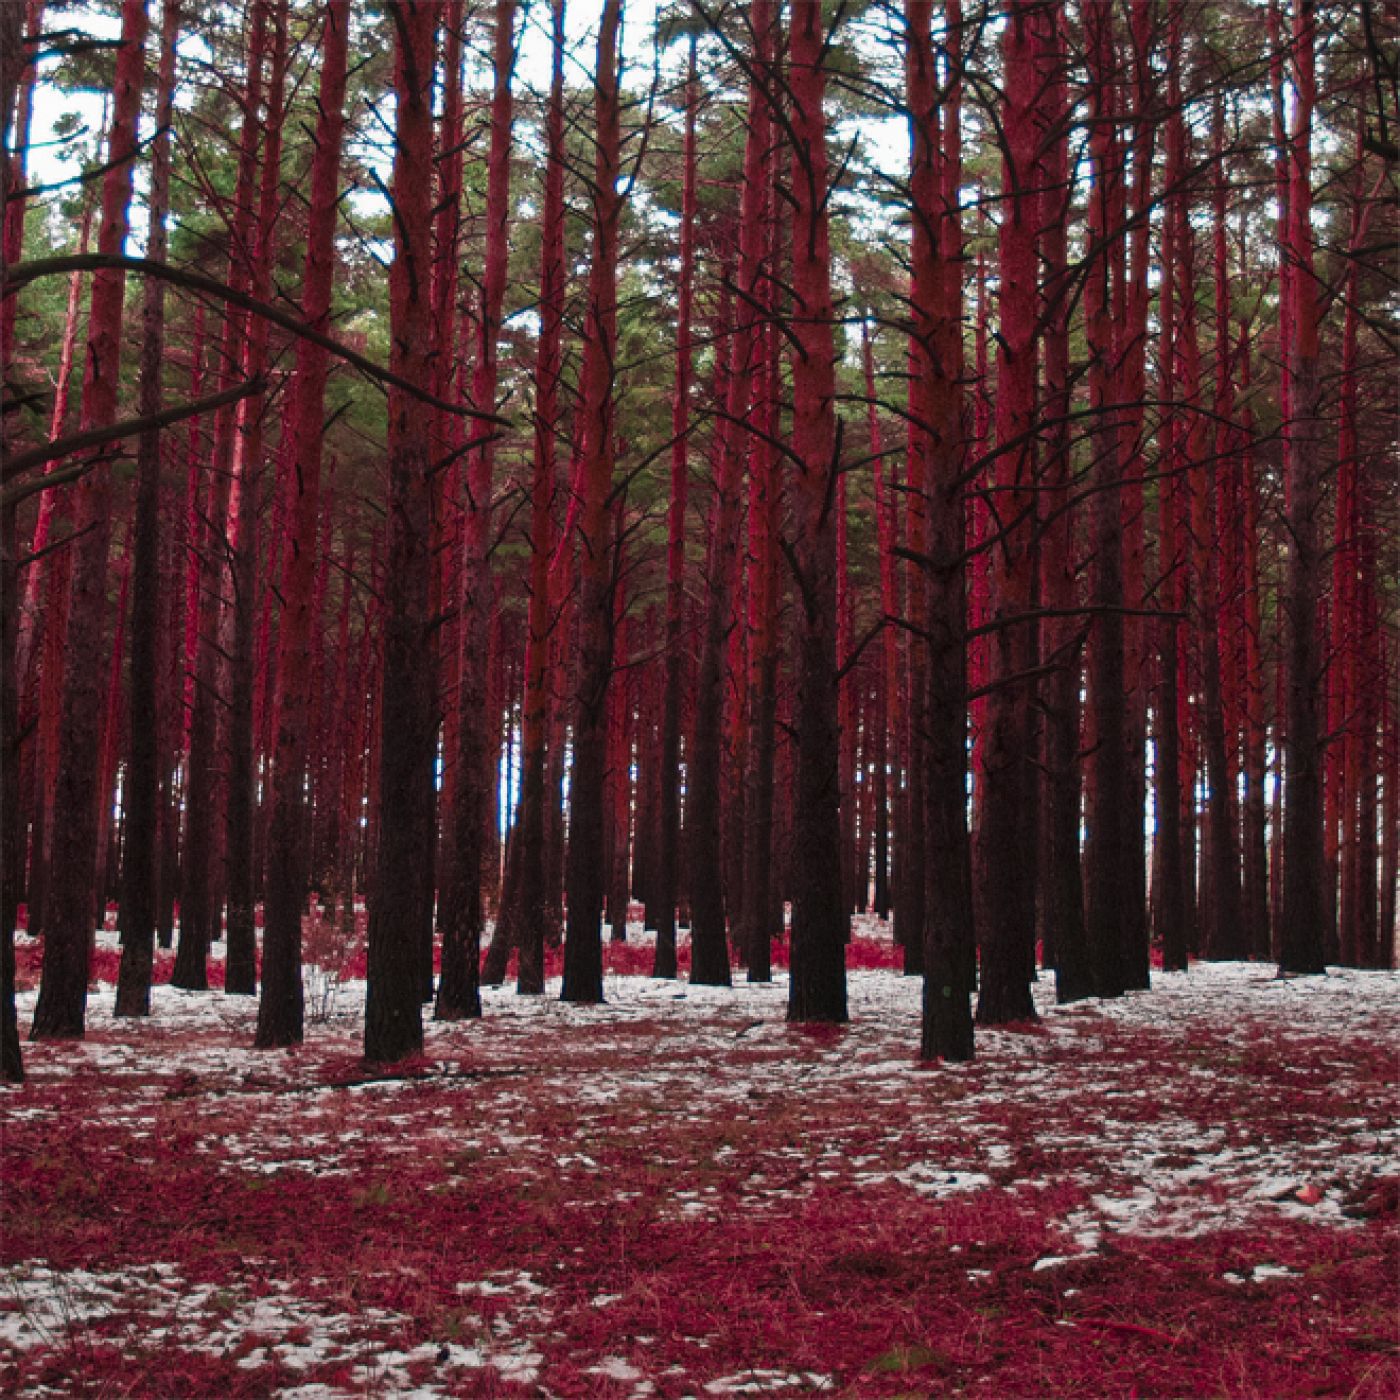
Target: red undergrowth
x=698, y=1200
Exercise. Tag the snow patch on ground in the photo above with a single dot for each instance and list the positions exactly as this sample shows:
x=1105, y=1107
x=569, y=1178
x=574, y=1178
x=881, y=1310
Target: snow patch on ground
x=554, y=1089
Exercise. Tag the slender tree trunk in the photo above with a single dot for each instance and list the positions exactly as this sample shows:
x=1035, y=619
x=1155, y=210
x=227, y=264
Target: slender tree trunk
x=1131, y=318
x=240, y=972
x=1170, y=884
x=1303, y=921
x=709, y=949
x=62, y=1004
x=1110, y=830
x=280, y=1011
x=765, y=516
x=54, y=573
x=668, y=850
x=620, y=767
x=459, y=995
x=141, y=788
x=11, y=829
x=887, y=533
x=710, y=962
x=1066, y=935
x=393, y=1008
x=910, y=925
x=937, y=437
x=1255, y=855
x=583, y=948
x=532, y=910
x=199, y=894
x=14, y=134
x=820, y=924
x=1006, y=916
x=1225, y=937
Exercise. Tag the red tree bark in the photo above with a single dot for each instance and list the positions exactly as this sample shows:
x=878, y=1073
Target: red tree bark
x=937, y=440
x=1304, y=914
x=475, y=779
x=1065, y=932
x=393, y=1015
x=62, y=1003
x=531, y=915
x=240, y=968
x=668, y=849
x=200, y=885
x=1006, y=916
x=583, y=949
x=820, y=925
x=281, y=1008
x=141, y=788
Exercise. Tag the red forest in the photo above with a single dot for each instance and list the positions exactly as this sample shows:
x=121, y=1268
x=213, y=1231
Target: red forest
x=734, y=657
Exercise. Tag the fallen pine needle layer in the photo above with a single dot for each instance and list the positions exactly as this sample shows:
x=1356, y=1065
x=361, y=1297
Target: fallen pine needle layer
x=1190, y=1191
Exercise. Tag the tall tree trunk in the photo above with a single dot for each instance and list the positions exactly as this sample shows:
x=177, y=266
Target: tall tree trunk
x=459, y=995
x=240, y=969
x=1006, y=916
x=709, y=952
x=820, y=924
x=1303, y=920
x=709, y=949
x=531, y=913
x=199, y=892
x=1131, y=318
x=910, y=925
x=1107, y=853
x=280, y=1011
x=1170, y=880
x=937, y=437
x=1226, y=934
x=62, y=1004
x=887, y=690
x=1255, y=854
x=583, y=878
x=393, y=1006
x=141, y=788
x=668, y=850
x=765, y=516
x=1066, y=935
x=13, y=143
x=54, y=573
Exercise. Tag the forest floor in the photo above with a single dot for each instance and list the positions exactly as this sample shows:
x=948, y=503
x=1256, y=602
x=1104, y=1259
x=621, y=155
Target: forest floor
x=1191, y=1191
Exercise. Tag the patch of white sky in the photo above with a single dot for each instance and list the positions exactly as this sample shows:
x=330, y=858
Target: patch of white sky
x=68, y=124
x=67, y=131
